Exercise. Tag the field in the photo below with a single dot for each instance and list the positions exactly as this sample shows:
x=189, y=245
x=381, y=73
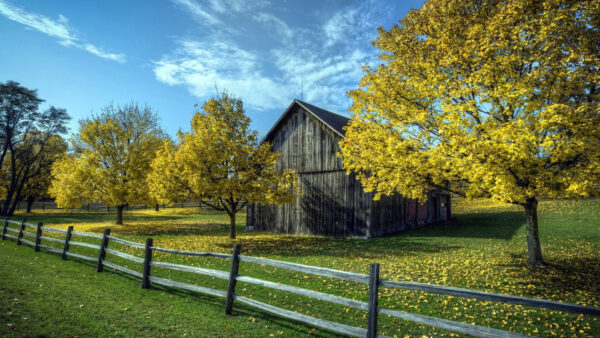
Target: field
x=483, y=249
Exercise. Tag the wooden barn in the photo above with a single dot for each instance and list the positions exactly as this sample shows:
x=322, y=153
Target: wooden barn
x=333, y=203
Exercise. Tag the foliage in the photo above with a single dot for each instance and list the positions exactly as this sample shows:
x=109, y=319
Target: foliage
x=220, y=164
x=479, y=250
x=24, y=134
x=499, y=98
x=110, y=160
x=41, y=169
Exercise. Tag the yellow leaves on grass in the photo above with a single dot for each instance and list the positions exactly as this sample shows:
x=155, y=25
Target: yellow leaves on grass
x=445, y=255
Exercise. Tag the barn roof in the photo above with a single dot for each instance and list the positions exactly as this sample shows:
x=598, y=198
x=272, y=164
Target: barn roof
x=334, y=121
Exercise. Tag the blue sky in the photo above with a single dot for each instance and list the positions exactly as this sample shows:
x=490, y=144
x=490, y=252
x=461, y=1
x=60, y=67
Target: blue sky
x=170, y=55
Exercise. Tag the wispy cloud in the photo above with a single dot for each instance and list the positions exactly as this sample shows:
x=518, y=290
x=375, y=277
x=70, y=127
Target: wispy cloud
x=198, y=12
x=326, y=79
x=354, y=24
x=321, y=64
x=279, y=25
x=201, y=67
x=238, y=6
x=58, y=29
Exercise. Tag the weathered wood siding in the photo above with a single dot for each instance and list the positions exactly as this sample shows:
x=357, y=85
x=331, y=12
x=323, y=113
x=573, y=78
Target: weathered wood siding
x=306, y=144
x=388, y=215
x=333, y=203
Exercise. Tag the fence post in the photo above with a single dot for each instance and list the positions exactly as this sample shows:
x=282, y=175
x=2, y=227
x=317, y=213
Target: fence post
x=4, y=229
x=373, y=300
x=67, y=240
x=38, y=236
x=102, y=251
x=147, y=264
x=21, y=232
x=235, y=263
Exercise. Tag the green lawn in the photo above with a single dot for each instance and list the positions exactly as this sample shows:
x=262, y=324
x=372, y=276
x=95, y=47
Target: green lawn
x=483, y=249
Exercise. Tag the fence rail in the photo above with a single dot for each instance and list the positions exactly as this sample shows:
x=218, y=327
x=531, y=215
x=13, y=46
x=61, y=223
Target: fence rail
x=372, y=279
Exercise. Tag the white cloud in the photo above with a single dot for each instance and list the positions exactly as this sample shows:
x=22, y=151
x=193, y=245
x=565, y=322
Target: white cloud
x=101, y=53
x=63, y=19
x=326, y=79
x=201, y=67
x=238, y=6
x=279, y=25
x=321, y=65
x=56, y=29
x=354, y=24
x=198, y=12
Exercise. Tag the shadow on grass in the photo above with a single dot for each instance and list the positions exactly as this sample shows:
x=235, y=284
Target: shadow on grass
x=497, y=225
x=569, y=274
x=307, y=246
x=501, y=225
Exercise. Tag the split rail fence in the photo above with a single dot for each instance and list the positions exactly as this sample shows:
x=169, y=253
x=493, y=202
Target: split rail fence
x=372, y=280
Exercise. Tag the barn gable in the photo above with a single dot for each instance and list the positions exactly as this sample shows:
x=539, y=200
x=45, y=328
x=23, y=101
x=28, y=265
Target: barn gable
x=334, y=121
x=307, y=138
x=333, y=203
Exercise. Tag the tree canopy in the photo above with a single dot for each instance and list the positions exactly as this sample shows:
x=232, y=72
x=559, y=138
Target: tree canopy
x=220, y=164
x=27, y=140
x=496, y=98
x=110, y=160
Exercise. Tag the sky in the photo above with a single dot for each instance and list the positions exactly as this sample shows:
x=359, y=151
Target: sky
x=173, y=54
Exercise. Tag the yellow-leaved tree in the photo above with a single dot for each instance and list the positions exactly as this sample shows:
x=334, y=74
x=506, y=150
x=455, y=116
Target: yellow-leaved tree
x=496, y=98
x=40, y=174
x=110, y=161
x=220, y=164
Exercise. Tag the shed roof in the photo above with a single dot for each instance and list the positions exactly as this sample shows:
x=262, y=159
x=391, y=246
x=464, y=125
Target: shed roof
x=334, y=121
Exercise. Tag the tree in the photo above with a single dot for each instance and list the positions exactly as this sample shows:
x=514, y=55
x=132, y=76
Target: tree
x=492, y=98
x=24, y=134
x=220, y=164
x=110, y=160
x=18, y=110
x=36, y=186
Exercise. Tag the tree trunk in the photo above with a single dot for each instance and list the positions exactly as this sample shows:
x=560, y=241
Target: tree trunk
x=232, y=225
x=120, y=214
x=534, y=247
x=17, y=197
x=30, y=204
x=156, y=207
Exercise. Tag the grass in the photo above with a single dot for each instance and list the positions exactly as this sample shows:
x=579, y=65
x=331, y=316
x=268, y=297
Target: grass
x=483, y=249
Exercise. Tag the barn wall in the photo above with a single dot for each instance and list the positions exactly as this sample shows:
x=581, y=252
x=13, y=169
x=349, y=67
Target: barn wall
x=332, y=203
x=388, y=215
x=306, y=144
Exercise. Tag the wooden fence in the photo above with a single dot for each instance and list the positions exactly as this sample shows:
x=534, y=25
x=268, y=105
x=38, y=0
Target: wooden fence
x=372, y=279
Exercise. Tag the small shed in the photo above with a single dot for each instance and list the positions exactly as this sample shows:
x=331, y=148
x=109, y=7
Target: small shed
x=333, y=203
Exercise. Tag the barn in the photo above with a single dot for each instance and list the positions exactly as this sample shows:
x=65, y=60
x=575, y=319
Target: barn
x=333, y=203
